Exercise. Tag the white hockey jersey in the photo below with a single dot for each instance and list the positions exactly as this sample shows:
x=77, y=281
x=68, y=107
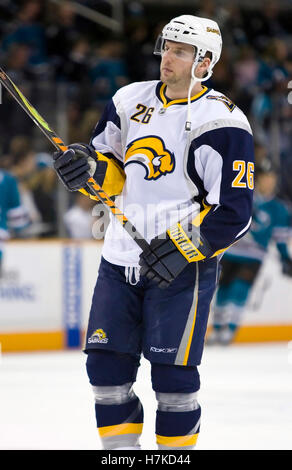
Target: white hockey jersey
x=172, y=173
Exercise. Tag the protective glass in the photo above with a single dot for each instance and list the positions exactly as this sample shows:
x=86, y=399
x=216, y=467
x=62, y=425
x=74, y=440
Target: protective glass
x=164, y=46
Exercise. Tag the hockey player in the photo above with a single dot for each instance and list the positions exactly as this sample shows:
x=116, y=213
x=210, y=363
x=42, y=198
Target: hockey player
x=181, y=157
x=13, y=216
x=241, y=264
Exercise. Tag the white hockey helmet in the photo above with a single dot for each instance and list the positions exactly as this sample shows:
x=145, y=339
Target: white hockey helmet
x=202, y=33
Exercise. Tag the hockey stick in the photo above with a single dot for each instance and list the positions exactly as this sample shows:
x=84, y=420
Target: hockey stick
x=59, y=144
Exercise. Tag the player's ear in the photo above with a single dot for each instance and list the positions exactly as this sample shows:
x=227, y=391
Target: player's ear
x=203, y=66
x=206, y=63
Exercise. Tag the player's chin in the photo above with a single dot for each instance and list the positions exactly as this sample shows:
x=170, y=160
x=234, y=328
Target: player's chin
x=167, y=78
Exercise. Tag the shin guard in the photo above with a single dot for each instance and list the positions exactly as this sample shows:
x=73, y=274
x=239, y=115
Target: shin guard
x=178, y=412
x=177, y=421
x=119, y=413
x=119, y=416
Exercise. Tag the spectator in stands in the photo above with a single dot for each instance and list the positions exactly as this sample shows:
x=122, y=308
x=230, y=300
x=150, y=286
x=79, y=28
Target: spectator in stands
x=43, y=186
x=28, y=30
x=265, y=23
x=13, y=120
x=81, y=123
x=135, y=55
x=37, y=184
x=222, y=79
x=62, y=32
x=23, y=165
x=13, y=215
x=245, y=76
x=79, y=219
x=75, y=68
x=109, y=73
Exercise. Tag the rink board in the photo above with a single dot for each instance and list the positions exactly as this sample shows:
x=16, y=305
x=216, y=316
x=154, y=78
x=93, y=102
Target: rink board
x=46, y=291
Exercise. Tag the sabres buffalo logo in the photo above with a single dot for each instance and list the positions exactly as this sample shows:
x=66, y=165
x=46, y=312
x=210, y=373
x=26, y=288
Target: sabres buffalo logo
x=151, y=153
x=98, y=336
x=100, y=333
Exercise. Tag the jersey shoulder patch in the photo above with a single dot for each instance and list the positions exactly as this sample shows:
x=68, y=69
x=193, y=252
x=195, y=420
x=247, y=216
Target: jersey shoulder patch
x=222, y=99
x=221, y=111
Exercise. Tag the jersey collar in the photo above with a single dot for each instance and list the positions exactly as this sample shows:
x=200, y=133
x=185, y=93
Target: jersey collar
x=160, y=92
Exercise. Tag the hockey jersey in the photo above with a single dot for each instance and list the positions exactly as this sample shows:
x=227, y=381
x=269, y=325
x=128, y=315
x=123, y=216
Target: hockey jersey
x=13, y=216
x=171, y=173
x=271, y=222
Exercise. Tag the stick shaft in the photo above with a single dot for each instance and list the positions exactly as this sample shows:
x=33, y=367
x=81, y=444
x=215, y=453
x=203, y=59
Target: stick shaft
x=59, y=145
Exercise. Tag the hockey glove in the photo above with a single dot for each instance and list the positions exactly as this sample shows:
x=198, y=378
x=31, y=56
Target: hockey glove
x=170, y=253
x=76, y=165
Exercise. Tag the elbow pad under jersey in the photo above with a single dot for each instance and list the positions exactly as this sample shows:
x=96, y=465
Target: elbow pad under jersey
x=109, y=175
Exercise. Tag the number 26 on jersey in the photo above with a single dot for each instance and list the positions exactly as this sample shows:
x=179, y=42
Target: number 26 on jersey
x=245, y=174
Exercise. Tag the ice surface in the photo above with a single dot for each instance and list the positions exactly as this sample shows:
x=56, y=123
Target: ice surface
x=246, y=398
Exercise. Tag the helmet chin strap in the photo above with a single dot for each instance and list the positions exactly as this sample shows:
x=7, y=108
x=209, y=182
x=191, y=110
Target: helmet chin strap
x=188, y=125
x=193, y=81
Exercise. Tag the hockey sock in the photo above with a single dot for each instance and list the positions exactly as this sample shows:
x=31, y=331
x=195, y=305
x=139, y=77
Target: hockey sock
x=177, y=421
x=178, y=412
x=119, y=425
x=119, y=413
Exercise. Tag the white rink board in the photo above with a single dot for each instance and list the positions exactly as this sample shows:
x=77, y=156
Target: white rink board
x=91, y=255
x=32, y=292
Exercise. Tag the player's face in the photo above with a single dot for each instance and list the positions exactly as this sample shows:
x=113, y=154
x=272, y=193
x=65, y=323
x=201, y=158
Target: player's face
x=176, y=64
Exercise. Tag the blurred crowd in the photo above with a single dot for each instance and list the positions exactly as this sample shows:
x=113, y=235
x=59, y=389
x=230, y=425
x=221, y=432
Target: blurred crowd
x=69, y=66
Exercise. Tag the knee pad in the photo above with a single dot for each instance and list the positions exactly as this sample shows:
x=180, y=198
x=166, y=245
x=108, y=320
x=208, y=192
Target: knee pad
x=174, y=379
x=177, y=402
x=114, y=394
x=108, y=368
